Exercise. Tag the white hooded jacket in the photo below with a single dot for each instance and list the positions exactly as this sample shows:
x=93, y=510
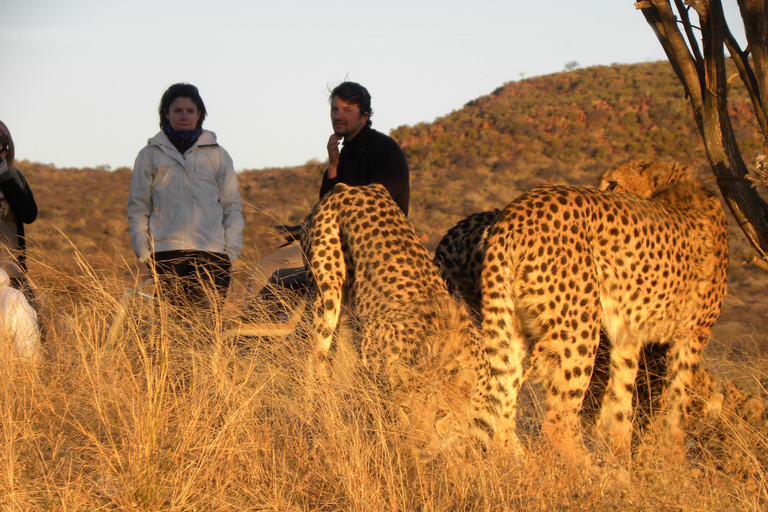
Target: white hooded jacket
x=184, y=202
x=18, y=321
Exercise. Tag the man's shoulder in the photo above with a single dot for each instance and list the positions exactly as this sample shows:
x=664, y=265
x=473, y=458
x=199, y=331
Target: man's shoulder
x=375, y=134
x=380, y=139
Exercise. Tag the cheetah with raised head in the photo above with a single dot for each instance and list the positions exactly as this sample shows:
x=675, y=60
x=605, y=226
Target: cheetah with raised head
x=460, y=255
x=358, y=246
x=561, y=262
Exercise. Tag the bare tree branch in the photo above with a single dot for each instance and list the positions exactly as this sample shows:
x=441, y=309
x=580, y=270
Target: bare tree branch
x=663, y=22
x=694, y=44
x=755, y=16
x=741, y=60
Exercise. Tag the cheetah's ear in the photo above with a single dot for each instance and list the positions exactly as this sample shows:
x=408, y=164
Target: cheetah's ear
x=656, y=176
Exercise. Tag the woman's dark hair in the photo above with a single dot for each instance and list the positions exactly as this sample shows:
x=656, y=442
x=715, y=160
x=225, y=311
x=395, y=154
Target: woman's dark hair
x=180, y=90
x=354, y=93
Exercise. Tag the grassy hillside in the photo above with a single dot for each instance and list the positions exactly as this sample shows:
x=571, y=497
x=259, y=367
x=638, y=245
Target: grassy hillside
x=583, y=119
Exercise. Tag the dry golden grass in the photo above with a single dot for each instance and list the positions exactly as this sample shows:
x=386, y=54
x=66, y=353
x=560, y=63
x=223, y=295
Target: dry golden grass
x=178, y=416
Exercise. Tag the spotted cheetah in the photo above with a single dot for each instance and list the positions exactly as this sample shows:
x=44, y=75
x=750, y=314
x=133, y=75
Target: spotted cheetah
x=561, y=262
x=415, y=336
x=460, y=254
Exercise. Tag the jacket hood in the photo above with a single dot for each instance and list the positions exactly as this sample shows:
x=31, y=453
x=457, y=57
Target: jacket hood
x=4, y=279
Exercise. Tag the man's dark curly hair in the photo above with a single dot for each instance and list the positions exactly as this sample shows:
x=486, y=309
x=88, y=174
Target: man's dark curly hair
x=354, y=93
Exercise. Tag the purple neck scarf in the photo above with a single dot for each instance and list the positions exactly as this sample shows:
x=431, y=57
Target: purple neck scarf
x=185, y=135
x=183, y=139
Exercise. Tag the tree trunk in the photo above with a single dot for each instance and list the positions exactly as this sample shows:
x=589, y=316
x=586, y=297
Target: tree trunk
x=704, y=78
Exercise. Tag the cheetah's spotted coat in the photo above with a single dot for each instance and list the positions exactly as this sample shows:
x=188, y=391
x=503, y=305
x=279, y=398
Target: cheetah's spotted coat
x=359, y=246
x=563, y=261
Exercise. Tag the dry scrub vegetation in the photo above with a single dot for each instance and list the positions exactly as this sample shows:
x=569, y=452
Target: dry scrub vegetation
x=177, y=415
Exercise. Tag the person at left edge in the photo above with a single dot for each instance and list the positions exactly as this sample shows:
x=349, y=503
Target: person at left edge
x=17, y=207
x=184, y=207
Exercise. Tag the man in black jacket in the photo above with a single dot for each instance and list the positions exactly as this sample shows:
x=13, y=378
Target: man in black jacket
x=367, y=156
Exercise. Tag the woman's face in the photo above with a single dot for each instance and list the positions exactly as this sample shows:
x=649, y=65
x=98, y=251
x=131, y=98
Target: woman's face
x=183, y=114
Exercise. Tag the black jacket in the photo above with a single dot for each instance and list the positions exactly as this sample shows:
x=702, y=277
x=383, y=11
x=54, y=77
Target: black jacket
x=372, y=157
x=24, y=207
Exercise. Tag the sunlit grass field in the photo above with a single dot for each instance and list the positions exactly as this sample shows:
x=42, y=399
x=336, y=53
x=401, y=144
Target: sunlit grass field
x=137, y=408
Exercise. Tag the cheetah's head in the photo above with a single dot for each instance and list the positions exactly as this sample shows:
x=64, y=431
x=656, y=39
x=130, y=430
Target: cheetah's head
x=434, y=410
x=643, y=177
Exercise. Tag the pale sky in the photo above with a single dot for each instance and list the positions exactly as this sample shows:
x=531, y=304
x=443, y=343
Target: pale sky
x=82, y=79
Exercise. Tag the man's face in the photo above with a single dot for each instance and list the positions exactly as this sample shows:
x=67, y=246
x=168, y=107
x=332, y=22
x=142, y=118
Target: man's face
x=346, y=118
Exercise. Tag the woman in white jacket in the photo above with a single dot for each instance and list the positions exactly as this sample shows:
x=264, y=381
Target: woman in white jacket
x=184, y=208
